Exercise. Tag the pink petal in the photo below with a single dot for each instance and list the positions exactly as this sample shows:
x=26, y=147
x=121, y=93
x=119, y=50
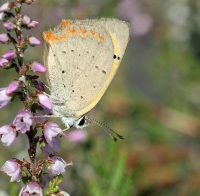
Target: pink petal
x=16, y=176
x=4, y=38
x=12, y=87
x=44, y=100
x=10, y=54
x=38, y=67
x=34, y=41
x=26, y=20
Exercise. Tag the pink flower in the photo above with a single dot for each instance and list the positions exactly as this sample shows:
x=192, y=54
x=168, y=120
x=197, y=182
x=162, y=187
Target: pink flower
x=13, y=169
x=38, y=85
x=4, y=38
x=58, y=166
x=3, y=16
x=9, y=25
x=43, y=112
x=23, y=121
x=47, y=149
x=140, y=21
x=33, y=24
x=34, y=41
x=8, y=135
x=10, y=54
x=26, y=20
x=38, y=67
x=32, y=188
x=141, y=24
x=51, y=130
x=12, y=87
x=6, y=7
x=76, y=136
x=2, y=61
x=127, y=9
x=4, y=98
x=44, y=100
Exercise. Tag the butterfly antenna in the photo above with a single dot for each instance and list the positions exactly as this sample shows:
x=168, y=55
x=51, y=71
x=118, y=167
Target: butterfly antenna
x=103, y=126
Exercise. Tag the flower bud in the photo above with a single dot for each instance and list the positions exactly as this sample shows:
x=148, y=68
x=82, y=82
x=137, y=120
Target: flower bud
x=4, y=38
x=4, y=98
x=44, y=100
x=12, y=87
x=38, y=85
x=7, y=6
x=10, y=54
x=33, y=24
x=33, y=41
x=9, y=26
x=37, y=67
x=26, y=20
x=2, y=61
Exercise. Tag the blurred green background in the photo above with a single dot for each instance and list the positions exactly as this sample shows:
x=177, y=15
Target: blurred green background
x=153, y=101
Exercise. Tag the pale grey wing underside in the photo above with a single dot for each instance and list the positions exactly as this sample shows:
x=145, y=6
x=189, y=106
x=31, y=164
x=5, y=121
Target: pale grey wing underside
x=78, y=66
x=119, y=32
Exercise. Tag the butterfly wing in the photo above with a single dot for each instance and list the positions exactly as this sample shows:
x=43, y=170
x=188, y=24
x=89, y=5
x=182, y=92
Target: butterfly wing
x=120, y=34
x=80, y=61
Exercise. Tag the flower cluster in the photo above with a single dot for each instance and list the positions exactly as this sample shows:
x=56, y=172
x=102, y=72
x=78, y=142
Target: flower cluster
x=31, y=120
x=141, y=21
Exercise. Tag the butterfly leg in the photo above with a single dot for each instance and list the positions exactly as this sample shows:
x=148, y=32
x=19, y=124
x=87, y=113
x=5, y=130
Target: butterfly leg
x=67, y=127
x=47, y=87
x=44, y=116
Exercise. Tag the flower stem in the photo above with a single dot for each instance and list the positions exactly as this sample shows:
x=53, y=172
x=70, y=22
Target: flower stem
x=32, y=152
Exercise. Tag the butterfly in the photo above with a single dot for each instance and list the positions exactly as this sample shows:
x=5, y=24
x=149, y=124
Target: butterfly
x=82, y=57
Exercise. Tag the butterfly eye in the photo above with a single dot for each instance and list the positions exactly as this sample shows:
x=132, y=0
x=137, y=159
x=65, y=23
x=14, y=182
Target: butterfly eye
x=82, y=121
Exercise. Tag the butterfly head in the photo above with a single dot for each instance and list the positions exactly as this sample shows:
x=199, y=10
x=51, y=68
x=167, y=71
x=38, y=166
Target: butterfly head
x=73, y=122
x=81, y=122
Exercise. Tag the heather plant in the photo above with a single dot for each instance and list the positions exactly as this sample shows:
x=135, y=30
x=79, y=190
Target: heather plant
x=40, y=177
